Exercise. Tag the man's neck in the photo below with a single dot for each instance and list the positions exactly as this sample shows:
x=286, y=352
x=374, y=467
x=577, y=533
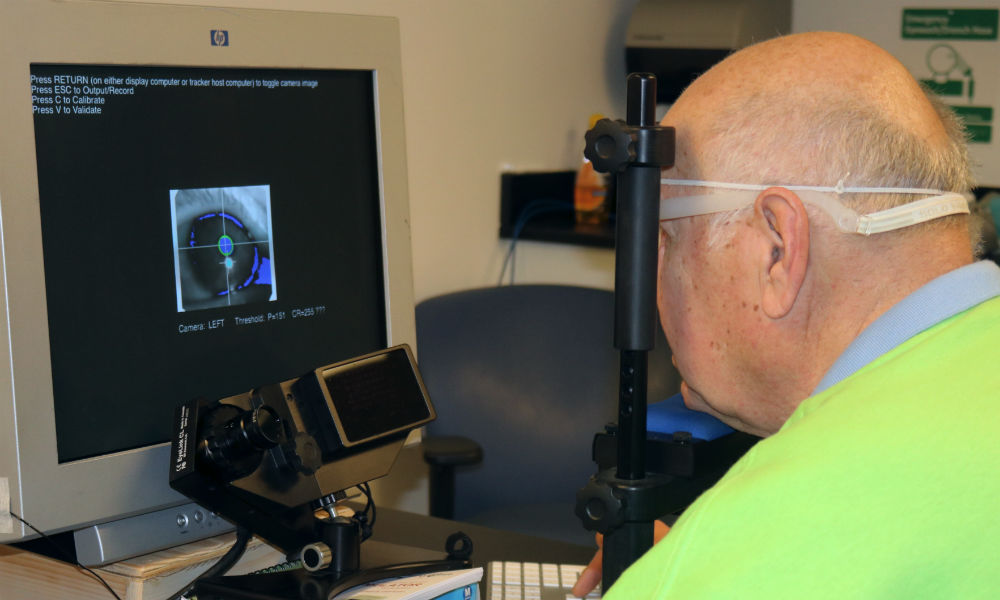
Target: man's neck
x=845, y=297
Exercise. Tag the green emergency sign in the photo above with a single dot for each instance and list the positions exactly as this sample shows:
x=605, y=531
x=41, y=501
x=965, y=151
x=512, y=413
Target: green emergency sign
x=950, y=23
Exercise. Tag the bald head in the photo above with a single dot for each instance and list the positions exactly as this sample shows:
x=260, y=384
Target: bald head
x=758, y=303
x=812, y=108
x=813, y=69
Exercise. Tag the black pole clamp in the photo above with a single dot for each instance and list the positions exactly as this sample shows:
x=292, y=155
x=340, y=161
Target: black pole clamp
x=613, y=145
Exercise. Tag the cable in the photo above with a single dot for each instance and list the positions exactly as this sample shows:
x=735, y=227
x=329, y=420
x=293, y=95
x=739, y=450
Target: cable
x=66, y=556
x=367, y=515
x=529, y=212
x=225, y=563
x=372, y=522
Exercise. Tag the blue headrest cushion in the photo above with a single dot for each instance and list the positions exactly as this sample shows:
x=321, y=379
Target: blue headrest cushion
x=670, y=415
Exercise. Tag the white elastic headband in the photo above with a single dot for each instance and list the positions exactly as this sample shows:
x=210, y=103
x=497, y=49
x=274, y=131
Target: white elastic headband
x=939, y=204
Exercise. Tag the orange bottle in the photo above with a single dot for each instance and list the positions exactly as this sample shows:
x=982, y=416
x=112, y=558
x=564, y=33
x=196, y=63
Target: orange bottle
x=591, y=190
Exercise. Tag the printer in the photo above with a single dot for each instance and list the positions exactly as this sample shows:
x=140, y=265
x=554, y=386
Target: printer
x=677, y=40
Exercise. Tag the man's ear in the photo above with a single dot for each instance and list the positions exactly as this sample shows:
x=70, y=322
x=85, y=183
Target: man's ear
x=784, y=253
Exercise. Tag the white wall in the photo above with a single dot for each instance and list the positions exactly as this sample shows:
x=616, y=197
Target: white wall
x=491, y=85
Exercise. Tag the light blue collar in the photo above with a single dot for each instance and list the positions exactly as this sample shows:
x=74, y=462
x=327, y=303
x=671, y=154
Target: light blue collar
x=936, y=301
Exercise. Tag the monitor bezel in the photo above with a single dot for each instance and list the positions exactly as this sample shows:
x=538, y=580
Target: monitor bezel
x=58, y=497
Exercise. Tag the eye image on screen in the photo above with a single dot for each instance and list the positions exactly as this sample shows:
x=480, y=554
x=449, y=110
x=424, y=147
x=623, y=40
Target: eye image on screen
x=223, y=254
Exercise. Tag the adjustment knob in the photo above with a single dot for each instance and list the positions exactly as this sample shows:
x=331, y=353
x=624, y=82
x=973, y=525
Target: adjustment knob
x=609, y=147
x=307, y=458
x=599, y=508
x=316, y=556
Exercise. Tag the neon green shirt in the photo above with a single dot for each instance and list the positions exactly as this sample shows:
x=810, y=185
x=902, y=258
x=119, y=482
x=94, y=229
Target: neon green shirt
x=886, y=485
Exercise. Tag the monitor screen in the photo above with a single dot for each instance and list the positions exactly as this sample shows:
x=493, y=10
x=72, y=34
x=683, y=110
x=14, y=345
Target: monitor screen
x=204, y=231
x=193, y=202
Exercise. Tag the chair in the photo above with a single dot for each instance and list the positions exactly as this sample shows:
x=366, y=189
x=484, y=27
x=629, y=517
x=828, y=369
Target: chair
x=531, y=374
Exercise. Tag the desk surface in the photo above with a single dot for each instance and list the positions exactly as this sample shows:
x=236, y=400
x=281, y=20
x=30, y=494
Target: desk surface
x=408, y=529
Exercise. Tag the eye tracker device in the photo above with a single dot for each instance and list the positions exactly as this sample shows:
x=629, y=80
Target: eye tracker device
x=276, y=459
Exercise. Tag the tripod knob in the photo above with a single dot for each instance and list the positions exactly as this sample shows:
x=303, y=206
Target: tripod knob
x=599, y=508
x=609, y=146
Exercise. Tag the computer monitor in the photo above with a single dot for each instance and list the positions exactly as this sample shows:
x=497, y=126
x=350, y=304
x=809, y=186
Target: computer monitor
x=195, y=202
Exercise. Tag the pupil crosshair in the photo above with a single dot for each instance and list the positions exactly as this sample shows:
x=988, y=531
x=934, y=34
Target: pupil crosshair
x=226, y=245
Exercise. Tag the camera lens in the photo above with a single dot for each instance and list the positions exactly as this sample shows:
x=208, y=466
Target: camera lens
x=262, y=428
x=235, y=446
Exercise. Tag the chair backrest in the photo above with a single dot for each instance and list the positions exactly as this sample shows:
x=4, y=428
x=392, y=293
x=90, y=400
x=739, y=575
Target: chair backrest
x=530, y=372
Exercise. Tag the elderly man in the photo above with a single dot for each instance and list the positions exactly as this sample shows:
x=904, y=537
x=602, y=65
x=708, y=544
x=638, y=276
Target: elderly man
x=818, y=287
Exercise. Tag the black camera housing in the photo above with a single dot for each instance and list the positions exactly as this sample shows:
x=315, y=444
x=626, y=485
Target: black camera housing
x=264, y=459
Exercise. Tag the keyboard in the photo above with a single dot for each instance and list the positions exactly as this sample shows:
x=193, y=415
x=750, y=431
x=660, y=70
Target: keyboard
x=532, y=581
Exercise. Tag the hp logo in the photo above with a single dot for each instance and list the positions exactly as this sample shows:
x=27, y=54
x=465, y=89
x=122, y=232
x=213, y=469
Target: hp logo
x=220, y=37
